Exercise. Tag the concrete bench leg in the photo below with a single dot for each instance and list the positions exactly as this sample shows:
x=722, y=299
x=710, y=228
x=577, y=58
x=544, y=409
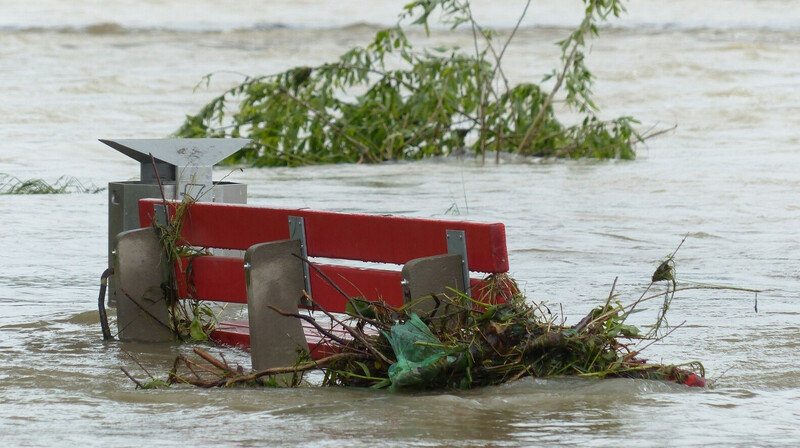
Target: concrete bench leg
x=424, y=277
x=140, y=269
x=274, y=277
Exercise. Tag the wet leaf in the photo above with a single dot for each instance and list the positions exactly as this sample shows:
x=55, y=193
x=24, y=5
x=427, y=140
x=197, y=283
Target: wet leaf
x=197, y=332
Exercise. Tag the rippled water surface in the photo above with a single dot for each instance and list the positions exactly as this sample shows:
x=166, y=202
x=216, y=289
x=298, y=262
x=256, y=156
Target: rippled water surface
x=727, y=177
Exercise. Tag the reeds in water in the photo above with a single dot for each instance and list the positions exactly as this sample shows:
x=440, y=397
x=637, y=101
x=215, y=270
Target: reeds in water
x=63, y=185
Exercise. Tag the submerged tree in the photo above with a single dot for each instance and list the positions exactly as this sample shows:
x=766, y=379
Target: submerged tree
x=389, y=101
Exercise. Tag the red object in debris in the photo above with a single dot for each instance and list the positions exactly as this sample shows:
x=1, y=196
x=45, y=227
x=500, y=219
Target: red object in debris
x=693, y=380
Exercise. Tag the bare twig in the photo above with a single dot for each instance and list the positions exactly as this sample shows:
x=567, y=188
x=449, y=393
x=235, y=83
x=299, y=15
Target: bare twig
x=313, y=322
x=755, y=305
x=191, y=364
x=607, y=313
x=355, y=333
x=137, y=382
x=498, y=66
x=160, y=185
x=532, y=130
x=660, y=338
x=338, y=289
x=143, y=309
x=173, y=374
x=138, y=364
x=718, y=377
x=611, y=294
x=300, y=367
x=213, y=361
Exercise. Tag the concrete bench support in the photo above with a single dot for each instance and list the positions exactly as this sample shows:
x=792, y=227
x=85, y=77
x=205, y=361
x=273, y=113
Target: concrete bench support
x=141, y=268
x=428, y=276
x=274, y=277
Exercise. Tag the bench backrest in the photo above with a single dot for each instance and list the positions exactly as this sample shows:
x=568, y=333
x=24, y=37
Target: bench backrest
x=328, y=235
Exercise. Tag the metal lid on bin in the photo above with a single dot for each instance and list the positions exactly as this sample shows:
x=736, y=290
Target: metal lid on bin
x=179, y=152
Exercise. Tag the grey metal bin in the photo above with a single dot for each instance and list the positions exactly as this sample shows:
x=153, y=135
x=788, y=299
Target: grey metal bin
x=182, y=166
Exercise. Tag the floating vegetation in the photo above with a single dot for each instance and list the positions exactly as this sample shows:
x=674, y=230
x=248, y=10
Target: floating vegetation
x=468, y=343
x=64, y=185
x=390, y=100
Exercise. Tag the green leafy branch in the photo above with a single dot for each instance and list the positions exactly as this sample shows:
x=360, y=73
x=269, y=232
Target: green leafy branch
x=389, y=101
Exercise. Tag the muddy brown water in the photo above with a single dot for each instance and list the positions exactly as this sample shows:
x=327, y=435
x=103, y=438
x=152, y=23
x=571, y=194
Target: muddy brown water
x=728, y=177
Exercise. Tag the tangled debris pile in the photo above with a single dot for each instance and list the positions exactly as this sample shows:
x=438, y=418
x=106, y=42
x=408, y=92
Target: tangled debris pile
x=486, y=343
x=466, y=343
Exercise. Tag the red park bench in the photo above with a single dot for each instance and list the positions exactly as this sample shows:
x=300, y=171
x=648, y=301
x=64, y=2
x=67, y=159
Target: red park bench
x=434, y=254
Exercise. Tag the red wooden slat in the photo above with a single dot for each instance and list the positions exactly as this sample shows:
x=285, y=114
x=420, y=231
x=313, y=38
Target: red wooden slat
x=216, y=278
x=222, y=279
x=372, y=284
x=237, y=337
x=236, y=334
x=386, y=239
x=233, y=335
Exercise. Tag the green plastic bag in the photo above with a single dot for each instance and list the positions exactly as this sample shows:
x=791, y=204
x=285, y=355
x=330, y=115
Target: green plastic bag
x=420, y=355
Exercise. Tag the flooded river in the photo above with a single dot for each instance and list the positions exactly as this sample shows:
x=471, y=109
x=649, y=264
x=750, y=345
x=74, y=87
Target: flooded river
x=727, y=178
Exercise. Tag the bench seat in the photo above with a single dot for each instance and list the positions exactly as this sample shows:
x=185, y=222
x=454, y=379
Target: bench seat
x=377, y=257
